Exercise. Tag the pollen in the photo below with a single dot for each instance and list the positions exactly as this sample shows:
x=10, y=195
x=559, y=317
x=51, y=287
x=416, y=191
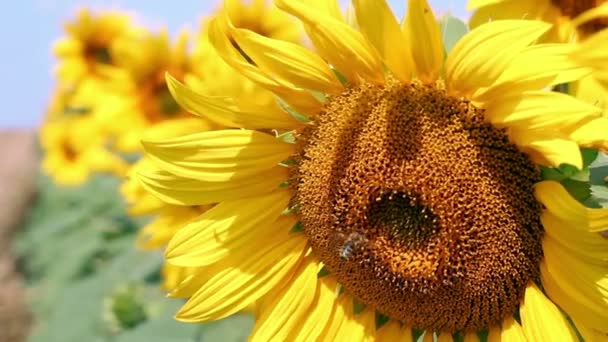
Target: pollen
x=574, y=8
x=421, y=209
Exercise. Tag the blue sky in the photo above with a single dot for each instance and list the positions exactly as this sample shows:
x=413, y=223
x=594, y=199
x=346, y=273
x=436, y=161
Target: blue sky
x=28, y=28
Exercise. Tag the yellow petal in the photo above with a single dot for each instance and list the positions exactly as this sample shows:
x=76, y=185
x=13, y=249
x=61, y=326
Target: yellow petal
x=343, y=47
x=590, y=335
x=329, y=7
x=318, y=318
x=285, y=307
x=362, y=326
x=592, y=134
x=559, y=203
x=542, y=320
x=475, y=4
x=539, y=110
x=379, y=25
x=66, y=47
x=599, y=11
x=578, y=287
x=247, y=275
x=592, y=247
x=226, y=111
x=511, y=331
x=288, y=61
x=175, y=128
x=228, y=226
x=537, y=67
x=168, y=221
x=547, y=148
x=300, y=99
x=588, y=54
x=174, y=275
x=491, y=10
x=221, y=155
x=480, y=57
x=425, y=41
x=392, y=331
x=184, y=191
x=337, y=318
x=189, y=284
x=445, y=337
x=589, y=90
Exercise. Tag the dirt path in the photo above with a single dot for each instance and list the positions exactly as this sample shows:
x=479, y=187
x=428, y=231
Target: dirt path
x=18, y=165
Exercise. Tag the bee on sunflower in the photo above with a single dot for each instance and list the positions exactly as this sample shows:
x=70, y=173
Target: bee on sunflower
x=391, y=190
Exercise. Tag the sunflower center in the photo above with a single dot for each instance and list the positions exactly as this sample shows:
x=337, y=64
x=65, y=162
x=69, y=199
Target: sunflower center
x=98, y=54
x=574, y=8
x=156, y=101
x=421, y=209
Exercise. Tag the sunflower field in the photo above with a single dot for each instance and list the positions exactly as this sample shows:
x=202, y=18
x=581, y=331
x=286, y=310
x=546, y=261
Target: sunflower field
x=324, y=170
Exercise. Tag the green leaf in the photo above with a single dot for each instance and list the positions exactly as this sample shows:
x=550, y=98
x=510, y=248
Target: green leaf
x=452, y=30
x=581, y=191
x=550, y=173
x=599, y=170
x=589, y=155
x=235, y=328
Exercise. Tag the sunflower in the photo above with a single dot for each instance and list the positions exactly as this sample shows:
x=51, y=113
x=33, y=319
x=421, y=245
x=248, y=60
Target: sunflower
x=85, y=51
x=571, y=19
x=393, y=191
x=142, y=98
x=74, y=149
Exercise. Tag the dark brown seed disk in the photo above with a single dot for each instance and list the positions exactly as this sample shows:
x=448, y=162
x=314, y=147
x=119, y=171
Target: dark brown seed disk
x=573, y=8
x=420, y=208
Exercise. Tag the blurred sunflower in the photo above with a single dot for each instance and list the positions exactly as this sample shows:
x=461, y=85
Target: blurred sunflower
x=571, y=19
x=142, y=99
x=74, y=149
x=397, y=191
x=86, y=50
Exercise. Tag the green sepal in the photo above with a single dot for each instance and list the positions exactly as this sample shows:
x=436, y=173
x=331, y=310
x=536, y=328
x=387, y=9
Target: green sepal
x=452, y=29
x=381, y=320
x=323, y=272
x=294, y=113
x=297, y=228
x=358, y=307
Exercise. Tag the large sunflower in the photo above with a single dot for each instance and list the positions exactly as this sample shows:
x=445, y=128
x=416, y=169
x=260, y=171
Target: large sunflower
x=395, y=191
x=85, y=51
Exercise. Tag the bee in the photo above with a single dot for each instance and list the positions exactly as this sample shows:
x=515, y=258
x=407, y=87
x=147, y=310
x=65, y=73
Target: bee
x=353, y=242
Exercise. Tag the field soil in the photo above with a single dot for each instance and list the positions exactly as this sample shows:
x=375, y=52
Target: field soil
x=18, y=167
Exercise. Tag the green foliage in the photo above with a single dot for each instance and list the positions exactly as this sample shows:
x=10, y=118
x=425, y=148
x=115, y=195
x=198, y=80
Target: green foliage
x=452, y=30
x=87, y=282
x=587, y=185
